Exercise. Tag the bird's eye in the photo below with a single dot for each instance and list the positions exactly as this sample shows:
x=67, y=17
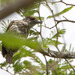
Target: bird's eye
x=32, y=18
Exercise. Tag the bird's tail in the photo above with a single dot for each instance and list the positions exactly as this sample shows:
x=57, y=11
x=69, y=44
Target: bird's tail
x=9, y=58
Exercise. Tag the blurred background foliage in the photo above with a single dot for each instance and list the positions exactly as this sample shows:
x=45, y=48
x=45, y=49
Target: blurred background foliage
x=27, y=61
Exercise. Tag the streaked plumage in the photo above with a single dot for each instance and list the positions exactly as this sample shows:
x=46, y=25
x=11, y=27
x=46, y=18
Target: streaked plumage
x=20, y=27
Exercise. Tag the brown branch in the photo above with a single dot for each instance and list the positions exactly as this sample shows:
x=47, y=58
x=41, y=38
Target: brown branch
x=15, y=7
x=67, y=3
x=63, y=3
x=65, y=21
x=40, y=25
x=46, y=65
x=57, y=30
x=70, y=65
x=51, y=11
x=49, y=27
x=56, y=54
x=54, y=21
x=63, y=55
x=67, y=53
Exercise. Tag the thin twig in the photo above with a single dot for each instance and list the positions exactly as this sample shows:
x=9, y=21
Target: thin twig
x=46, y=65
x=67, y=3
x=70, y=65
x=52, y=67
x=49, y=27
x=57, y=29
x=40, y=26
x=6, y=71
x=54, y=19
x=67, y=60
x=63, y=3
x=65, y=21
x=51, y=11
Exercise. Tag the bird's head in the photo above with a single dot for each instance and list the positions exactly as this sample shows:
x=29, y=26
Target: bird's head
x=31, y=21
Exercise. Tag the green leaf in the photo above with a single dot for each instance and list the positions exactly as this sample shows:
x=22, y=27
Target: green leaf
x=3, y=64
x=37, y=59
x=4, y=25
x=18, y=67
x=30, y=11
x=53, y=42
x=16, y=57
x=62, y=12
x=49, y=41
x=14, y=42
x=11, y=41
x=60, y=32
x=27, y=64
x=42, y=18
x=32, y=32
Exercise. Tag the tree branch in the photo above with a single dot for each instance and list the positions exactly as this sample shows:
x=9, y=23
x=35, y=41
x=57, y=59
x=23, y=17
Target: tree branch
x=56, y=54
x=15, y=7
x=58, y=21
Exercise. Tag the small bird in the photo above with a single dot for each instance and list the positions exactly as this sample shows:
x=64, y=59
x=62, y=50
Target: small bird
x=20, y=27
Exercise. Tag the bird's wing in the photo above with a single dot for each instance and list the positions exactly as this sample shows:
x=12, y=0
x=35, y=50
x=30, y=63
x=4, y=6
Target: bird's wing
x=13, y=27
x=11, y=23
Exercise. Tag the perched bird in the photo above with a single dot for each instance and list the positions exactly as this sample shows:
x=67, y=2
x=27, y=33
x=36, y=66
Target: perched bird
x=20, y=27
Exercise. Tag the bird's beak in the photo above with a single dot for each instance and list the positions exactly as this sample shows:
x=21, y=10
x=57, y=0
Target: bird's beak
x=38, y=22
